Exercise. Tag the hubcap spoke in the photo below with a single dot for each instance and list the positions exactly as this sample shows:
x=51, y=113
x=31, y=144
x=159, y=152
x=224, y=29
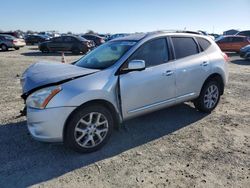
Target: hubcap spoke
x=92, y=141
x=86, y=141
x=102, y=123
x=85, y=122
x=211, y=96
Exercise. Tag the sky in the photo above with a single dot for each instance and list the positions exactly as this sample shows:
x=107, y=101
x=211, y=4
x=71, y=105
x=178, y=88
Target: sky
x=118, y=16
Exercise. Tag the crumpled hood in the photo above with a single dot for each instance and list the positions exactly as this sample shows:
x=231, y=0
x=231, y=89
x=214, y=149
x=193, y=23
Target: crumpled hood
x=45, y=73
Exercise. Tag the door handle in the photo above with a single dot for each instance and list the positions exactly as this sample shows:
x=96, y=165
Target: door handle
x=168, y=73
x=205, y=63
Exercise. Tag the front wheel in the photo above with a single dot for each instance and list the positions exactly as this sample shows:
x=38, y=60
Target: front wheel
x=4, y=47
x=88, y=128
x=209, y=97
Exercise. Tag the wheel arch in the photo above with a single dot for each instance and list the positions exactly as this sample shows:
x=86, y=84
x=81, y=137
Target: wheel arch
x=216, y=77
x=117, y=118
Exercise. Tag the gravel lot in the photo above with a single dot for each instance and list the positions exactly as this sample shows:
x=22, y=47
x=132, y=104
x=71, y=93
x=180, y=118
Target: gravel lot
x=175, y=147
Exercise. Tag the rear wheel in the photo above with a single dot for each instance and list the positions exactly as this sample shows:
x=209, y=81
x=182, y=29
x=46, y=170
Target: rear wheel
x=4, y=47
x=44, y=49
x=209, y=96
x=17, y=48
x=89, y=128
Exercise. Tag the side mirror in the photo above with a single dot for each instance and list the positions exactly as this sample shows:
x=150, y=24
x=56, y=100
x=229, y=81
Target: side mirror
x=136, y=65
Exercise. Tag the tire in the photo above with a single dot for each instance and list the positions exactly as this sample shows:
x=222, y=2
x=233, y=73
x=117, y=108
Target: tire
x=4, y=47
x=44, y=50
x=208, y=99
x=83, y=133
x=17, y=48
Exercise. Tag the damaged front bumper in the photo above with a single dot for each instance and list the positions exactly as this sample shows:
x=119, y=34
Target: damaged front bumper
x=47, y=124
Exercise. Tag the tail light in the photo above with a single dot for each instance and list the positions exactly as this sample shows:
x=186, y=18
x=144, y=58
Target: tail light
x=14, y=41
x=86, y=43
x=225, y=56
x=102, y=40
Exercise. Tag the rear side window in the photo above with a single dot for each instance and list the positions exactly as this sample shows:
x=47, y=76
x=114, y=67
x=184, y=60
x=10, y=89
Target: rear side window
x=57, y=39
x=154, y=52
x=68, y=39
x=238, y=39
x=89, y=37
x=204, y=44
x=226, y=40
x=184, y=46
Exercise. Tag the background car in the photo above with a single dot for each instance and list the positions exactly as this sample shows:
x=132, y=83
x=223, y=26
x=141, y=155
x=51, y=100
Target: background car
x=14, y=34
x=72, y=43
x=117, y=36
x=8, y=41
x=244, y=33
x=36, y=39
x=245, y=52
x=232, y=43
x=97, y=39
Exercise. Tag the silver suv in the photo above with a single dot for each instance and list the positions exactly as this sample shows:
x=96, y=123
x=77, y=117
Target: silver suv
x=81, y=103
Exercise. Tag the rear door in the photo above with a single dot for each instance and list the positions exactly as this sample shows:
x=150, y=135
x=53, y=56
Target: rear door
x=56, y=44
x=225, y=44
x=238, y=43
x=192, y=67
x=68, y=42
x=152, y=88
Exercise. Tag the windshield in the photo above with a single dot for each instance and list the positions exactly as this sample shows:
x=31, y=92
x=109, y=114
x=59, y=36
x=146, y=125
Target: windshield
x=105, y=55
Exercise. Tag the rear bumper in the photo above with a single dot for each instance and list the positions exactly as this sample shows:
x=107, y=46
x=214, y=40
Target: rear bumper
x=17, y=45
x=47, y=124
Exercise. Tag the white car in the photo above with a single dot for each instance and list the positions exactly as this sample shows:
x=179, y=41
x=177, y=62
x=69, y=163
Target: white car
x=8, y=41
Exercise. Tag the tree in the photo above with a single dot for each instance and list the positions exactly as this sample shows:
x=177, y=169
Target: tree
x=90, y=32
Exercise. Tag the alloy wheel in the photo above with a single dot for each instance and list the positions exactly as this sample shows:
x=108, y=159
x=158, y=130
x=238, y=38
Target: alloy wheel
x=91, y=130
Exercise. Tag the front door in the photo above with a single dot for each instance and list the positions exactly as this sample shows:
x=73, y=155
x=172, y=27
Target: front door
x=152, y=88
x=56, y=44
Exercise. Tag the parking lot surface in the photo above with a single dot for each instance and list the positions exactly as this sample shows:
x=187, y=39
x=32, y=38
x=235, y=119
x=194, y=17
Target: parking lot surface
x=175, y=147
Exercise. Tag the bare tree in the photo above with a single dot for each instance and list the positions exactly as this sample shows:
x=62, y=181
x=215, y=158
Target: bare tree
x=90, y=32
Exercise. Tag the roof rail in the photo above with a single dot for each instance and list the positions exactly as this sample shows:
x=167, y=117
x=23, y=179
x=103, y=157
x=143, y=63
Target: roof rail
x=176, y=31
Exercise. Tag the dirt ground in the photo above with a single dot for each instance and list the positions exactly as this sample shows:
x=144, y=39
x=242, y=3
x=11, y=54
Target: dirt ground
x=175, y=147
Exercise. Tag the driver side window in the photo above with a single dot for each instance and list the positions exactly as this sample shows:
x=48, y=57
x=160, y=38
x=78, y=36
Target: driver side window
x=154, y=52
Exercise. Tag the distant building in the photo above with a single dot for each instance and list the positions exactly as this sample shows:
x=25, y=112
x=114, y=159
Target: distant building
x=230, y=32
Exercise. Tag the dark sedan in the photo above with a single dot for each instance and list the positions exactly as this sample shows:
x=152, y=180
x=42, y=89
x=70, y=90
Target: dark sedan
x=65, y=43
x=36, y=39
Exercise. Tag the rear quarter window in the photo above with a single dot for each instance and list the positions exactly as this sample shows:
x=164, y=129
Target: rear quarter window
x=204, y=44
x=184, y=46
x=245, y=33
x=238, y=39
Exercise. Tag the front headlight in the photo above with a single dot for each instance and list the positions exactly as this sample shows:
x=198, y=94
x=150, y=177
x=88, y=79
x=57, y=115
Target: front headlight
x=41, y=98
